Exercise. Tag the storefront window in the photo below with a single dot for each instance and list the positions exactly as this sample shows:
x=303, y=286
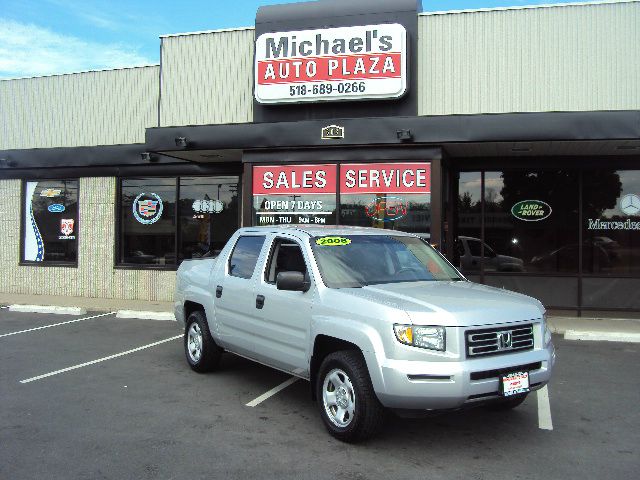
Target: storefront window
x=611, y=222
x=467, y=250
x=50, y=221
x=394, y=196
x=148, y=226
x=530, y=221
x=208, y=215
x=156, y=231
x=292, y=194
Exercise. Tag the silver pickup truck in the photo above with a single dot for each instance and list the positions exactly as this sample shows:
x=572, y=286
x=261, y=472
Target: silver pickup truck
x=373, y=319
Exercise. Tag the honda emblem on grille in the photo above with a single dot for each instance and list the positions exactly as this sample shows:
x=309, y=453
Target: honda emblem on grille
x=504, y=340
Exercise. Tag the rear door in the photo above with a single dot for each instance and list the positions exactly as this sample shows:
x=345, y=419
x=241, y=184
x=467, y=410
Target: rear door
x=282, y=330
x=235, y=308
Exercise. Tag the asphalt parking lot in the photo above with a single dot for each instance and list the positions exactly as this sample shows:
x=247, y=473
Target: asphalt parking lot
x=141, y=413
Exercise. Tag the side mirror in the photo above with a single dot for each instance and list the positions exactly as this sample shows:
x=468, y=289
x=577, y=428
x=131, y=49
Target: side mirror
x=294, y=281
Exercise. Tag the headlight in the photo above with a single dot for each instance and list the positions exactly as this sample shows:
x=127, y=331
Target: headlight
x=432, y=338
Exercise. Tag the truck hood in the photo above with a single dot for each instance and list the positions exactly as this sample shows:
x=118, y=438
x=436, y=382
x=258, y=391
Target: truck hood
x=452, y=303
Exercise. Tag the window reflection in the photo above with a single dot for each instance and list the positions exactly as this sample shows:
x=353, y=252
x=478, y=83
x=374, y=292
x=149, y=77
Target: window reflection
x=530, y=221
x=394, y=211
x=208, y=215
x=148, y=221
x=611, y=222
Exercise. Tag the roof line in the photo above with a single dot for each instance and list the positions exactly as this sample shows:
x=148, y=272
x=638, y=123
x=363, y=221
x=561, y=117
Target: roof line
x=525, y=7
x=219, y=30
x=82, y=71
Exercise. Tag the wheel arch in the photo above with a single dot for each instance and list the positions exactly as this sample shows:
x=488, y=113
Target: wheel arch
x=324, y=345
x=190, y=307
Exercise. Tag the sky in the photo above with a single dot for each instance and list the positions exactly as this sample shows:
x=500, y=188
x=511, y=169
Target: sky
x=47, y=37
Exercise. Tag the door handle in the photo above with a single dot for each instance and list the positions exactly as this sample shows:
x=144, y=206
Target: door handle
x=260, y=301
x=218, y=291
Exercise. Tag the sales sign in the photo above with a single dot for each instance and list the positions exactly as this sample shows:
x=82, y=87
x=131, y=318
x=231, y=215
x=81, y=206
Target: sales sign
x=347, y=63
x=294, y=179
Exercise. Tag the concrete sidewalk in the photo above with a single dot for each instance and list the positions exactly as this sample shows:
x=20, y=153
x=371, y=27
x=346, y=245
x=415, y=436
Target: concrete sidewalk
x=573, y=328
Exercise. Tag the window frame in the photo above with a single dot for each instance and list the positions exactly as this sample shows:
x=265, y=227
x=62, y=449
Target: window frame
x=177, y=234
x=49, y=263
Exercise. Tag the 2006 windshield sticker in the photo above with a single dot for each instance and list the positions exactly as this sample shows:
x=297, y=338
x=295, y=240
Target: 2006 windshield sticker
x=332, y=241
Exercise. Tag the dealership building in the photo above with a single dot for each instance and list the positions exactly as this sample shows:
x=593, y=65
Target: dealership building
x=509, y=138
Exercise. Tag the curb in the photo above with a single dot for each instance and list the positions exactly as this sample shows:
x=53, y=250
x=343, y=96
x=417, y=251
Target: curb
x=47, y=309
x=162, y=316
x=602, y=336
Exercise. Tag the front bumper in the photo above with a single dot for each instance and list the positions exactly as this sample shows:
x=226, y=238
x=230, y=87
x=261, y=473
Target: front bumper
x=446, y=385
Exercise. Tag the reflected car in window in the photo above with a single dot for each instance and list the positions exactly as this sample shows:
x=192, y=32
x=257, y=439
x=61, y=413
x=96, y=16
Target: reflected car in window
x=470, y=251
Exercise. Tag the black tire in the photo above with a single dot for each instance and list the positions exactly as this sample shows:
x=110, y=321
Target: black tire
x=209, y=353
x=357, y=395
x=508, y=404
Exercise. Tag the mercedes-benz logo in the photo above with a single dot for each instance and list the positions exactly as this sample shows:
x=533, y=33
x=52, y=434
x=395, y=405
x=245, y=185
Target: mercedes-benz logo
x=630, y=204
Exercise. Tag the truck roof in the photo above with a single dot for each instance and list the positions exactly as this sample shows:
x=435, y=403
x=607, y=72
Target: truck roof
x=322, y=230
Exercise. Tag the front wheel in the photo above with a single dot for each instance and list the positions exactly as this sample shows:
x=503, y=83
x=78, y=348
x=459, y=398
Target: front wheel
x=203, y=355
x=348, y=405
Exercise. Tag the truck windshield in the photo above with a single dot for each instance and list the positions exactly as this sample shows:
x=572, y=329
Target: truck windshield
x=360, y=260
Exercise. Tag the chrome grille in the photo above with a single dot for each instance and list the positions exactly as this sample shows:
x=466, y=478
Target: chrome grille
x=496, y=341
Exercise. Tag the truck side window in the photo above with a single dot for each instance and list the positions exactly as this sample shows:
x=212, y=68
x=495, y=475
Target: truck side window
x=245, y=254
x=286, y=256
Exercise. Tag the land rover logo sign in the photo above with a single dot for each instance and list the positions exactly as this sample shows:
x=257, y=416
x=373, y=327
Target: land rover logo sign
x=346, y=63
x=531, y=210
x=332, y=132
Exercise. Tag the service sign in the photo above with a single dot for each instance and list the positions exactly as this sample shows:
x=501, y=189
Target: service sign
x=347, y=63
x=385, y=178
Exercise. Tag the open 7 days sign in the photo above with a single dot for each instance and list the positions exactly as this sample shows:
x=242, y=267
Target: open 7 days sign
x=348, y=63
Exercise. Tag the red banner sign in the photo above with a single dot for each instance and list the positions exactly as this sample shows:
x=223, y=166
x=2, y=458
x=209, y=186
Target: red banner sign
x=385, y=178
x=322, y=69
x=356, y=178
x=294, y=179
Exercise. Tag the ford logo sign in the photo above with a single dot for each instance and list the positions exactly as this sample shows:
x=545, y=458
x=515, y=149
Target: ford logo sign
x=56, y=208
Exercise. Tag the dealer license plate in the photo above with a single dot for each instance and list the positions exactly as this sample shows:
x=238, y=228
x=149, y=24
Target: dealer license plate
x=514, y=383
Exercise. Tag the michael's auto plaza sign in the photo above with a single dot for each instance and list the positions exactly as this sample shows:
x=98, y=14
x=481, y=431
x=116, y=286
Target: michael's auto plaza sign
x=348, y=63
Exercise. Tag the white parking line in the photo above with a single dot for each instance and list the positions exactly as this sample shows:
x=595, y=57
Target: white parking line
x=55, y=324
x=272, y=392
x=92, y=362
x=544, y=409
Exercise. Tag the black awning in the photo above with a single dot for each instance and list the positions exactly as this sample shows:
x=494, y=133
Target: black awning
x=621, y=126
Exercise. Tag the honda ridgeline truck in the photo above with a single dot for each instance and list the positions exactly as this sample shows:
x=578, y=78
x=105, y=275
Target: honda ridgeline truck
x=373, y=319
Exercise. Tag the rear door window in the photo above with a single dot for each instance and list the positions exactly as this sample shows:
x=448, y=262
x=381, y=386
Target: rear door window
x=245, y=255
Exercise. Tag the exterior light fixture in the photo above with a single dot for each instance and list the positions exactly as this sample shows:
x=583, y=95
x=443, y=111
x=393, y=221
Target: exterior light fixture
x=181, y=142
x=404, y=135
x=147, y=157
x=7, y=162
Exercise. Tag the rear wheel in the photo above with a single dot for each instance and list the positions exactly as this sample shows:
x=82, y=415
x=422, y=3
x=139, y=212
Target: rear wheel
x=348, y=405
x=203, y=355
